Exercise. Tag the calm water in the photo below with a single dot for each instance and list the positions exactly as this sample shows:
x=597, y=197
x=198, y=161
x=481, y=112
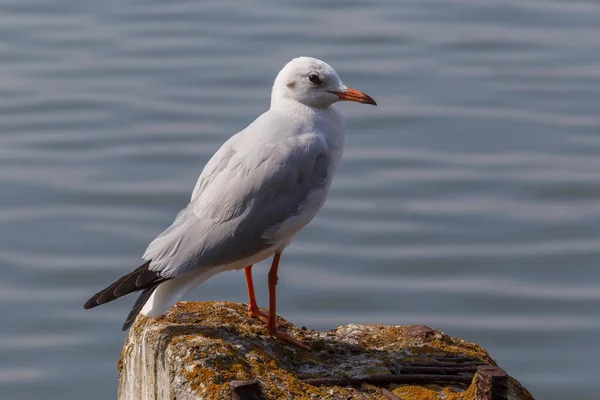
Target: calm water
x=469, y=200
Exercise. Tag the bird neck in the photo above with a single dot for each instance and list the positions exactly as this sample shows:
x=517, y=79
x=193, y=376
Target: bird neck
x=293, y=107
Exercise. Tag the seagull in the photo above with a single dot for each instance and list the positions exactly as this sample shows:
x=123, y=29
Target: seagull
x=259, y=189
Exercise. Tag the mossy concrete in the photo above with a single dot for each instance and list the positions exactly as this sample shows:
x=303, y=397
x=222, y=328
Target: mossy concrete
x=196, y=349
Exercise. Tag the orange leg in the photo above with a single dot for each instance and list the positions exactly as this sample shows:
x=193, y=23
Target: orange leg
x=272, y=320
x=253, y=310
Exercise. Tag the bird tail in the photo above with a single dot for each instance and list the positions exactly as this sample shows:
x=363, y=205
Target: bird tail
x=138, y=305
x=141, y=279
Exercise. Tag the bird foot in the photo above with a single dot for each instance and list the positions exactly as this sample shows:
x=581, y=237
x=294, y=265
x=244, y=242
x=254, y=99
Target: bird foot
x=255, y=312
x=285, y=337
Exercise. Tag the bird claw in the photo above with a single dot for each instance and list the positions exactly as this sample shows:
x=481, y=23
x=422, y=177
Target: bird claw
x=264, y=316
x=285, y=337
x=255, y=312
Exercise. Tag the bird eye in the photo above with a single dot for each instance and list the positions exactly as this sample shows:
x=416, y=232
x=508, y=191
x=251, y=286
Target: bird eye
x=314, y=79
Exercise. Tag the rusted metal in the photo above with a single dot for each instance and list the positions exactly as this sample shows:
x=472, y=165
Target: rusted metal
x=436, y=369
x=444, y=363
x=420, y=330
x=246, y=390
x=455, y=359
x=492, y=383
x=389, y=395
x=385, y=380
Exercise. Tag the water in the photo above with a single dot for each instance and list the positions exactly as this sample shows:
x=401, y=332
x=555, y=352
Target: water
x=468, y=200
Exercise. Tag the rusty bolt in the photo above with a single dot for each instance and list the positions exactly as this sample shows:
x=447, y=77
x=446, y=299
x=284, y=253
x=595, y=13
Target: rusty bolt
x=492, y=383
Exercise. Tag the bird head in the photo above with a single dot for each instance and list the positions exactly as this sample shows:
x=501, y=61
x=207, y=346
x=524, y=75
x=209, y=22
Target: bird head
x=314, y=83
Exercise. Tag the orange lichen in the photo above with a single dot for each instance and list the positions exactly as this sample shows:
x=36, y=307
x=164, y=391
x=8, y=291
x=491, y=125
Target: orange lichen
x=204, y=346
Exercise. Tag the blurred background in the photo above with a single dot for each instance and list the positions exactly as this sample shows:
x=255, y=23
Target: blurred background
x=468, y=200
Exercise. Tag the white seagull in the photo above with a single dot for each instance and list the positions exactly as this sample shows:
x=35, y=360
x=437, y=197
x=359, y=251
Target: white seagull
x=258, y=190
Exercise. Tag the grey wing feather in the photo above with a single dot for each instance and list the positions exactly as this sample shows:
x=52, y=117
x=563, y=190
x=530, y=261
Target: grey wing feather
x=249, y=197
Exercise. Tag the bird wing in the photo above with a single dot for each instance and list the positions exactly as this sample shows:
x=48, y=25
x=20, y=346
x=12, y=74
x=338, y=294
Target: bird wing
x=256, y=191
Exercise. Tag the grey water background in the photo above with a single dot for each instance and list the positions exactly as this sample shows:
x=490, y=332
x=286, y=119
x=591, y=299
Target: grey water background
x=468, y=200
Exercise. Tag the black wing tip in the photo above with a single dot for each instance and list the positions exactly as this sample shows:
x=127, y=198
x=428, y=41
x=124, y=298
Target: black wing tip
x=125, y=285
x=129, y=321
x=138, y=305
x=89, y=304
x=92, y=302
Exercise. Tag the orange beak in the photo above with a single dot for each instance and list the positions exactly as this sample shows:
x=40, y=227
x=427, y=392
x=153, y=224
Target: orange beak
x=355, y=95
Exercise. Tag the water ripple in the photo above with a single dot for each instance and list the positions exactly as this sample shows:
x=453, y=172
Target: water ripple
x=467, y=200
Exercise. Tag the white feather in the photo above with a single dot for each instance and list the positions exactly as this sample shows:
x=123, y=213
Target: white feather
x=259, y=189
